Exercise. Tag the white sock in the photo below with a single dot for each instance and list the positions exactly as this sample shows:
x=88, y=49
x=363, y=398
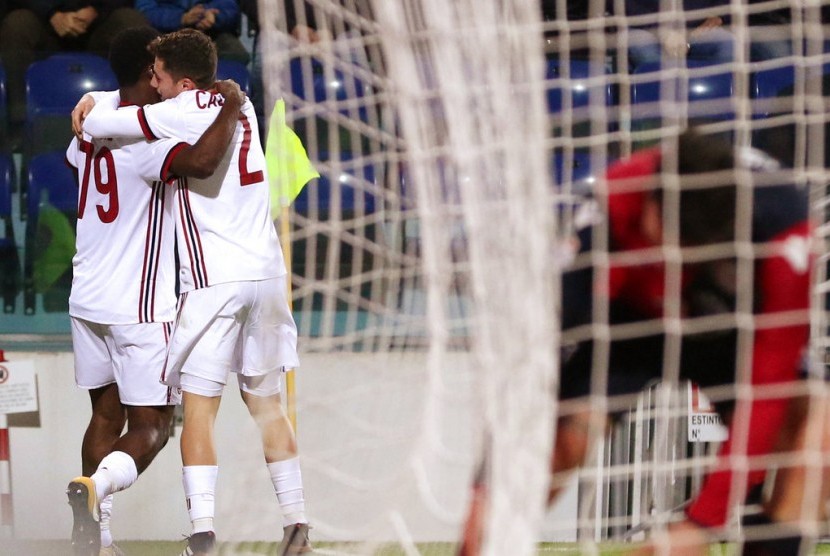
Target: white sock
x=105, y=515
x=288, y=484
x=116, y=472
x=200, y=489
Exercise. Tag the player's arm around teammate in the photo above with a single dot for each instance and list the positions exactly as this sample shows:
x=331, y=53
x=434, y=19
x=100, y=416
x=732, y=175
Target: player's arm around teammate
x=202, y=159
x=214, y=142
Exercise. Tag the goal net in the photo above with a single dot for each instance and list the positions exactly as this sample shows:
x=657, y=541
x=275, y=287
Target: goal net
x=456, y=144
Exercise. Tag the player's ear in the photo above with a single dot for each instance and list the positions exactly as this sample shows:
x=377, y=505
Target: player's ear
x=187, y=85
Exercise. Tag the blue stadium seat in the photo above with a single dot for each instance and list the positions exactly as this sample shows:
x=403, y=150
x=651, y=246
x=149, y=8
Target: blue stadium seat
x=9, y=255
x=714, y=86
x=4, y=121
x=55, y=84
x=780, y=82
x=706, y=91
x=580, y=166
x=773, y=93
x=50, y=182
x=769, y=83
x=53, y=87
x=316, y=82
x=353, y=185
x=769, y=92
x=445, y=175
x=231, y=69
x=6, y=184
x=2, y=89
x=578, y=72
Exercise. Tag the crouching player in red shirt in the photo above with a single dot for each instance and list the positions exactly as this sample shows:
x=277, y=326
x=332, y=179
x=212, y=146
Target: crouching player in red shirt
x=708, y=280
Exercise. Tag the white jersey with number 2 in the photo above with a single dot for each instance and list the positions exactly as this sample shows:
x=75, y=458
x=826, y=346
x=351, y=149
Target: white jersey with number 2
x=225, y=232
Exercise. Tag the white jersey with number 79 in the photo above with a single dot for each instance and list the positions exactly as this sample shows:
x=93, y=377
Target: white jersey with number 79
x=123, y=268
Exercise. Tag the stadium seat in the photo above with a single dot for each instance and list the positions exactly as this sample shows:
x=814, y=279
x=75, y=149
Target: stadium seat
x=450, y=193
x=333, y=102
x=345, y=191
x=53, y=191
x=577, y=74
x=230, y=69
x=9, y=256
x=780, y=83
x=53, y=87
x=2, y=90
x=766, y=84
x=568, y=90
x=580, y=167
x=775, y=91
x=703, y=88
x=771, y=91
x=352, y=187
x=4, y=120
x=316, y=82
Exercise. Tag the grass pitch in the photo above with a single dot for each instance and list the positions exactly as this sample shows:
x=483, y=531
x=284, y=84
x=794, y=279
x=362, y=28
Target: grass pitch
x=170, y=548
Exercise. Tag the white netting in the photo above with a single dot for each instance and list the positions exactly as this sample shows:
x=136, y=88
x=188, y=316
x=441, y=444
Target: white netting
x=431, y=231
x=446, y=133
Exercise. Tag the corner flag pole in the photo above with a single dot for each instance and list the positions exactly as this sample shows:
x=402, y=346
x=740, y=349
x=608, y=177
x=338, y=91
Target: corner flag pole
x=289, y=170
x=285, y=241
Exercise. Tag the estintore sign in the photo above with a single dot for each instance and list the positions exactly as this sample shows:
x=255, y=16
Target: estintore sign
x=705, y=425
x=18, y=393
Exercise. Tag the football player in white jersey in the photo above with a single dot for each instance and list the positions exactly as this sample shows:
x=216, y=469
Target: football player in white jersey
x=122, y=301
x=233, y=314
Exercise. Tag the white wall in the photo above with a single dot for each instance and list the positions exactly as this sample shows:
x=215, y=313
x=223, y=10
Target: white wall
x=360, y=426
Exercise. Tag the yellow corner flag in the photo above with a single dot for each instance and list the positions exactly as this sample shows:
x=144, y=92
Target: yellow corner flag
x=289, y=168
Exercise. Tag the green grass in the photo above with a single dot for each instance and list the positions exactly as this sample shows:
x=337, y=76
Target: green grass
x=168, y=548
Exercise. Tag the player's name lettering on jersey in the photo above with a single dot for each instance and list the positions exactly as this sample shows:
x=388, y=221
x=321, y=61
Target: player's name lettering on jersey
x=205, y=100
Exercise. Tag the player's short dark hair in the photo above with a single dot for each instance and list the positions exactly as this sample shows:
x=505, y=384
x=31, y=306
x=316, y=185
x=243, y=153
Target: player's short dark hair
x=187, y=53
x=707, y=213
x=129, y=57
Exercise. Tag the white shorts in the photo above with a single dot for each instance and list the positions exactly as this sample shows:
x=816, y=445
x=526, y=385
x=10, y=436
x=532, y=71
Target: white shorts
x=241, y=327
x=260, y=385
x=131, y=355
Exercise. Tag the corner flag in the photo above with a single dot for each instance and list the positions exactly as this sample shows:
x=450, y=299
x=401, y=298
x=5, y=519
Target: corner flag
x=289, y=168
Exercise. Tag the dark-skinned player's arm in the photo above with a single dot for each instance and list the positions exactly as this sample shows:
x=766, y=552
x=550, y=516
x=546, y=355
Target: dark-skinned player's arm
x=201, y=159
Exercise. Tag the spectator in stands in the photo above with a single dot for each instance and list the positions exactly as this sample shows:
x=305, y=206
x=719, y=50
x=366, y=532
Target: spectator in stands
x=34, y=30
x=703, y=38
x=219, y=19
x=306, y=23
x=302, y=24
